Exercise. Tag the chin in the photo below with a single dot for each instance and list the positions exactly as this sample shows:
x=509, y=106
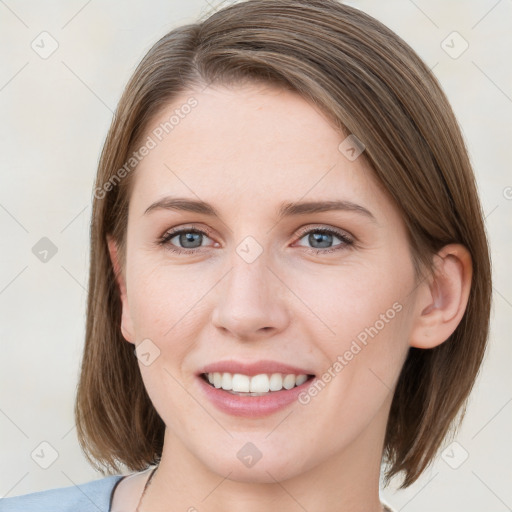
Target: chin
x=266, y=470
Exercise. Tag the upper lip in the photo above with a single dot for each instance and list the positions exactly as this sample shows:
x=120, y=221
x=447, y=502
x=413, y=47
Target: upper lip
x=253, y=368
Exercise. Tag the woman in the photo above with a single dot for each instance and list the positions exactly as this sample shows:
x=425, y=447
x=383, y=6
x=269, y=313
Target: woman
x=290, y=280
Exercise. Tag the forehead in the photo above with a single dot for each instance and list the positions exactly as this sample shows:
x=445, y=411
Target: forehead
x=251, y=145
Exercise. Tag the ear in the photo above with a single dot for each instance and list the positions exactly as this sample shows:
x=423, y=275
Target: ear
x=442, y=300
x=126, y=320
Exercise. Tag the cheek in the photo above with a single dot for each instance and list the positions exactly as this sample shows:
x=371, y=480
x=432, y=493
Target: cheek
x=165, y=299
x=363, y=350
x=353, y=301
x=165, y=308
x=359, y=318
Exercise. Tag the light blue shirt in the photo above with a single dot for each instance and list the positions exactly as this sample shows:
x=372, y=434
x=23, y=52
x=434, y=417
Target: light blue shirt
x=95, y=496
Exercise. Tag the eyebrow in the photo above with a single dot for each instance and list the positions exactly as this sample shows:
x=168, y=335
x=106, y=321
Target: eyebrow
x=285, y=209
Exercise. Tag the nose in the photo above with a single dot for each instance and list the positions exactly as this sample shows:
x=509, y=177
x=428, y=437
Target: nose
x=250, y=301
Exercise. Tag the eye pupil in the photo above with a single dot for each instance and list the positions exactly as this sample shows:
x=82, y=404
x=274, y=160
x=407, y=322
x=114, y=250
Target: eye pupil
x=190, y=237
x=318, y=237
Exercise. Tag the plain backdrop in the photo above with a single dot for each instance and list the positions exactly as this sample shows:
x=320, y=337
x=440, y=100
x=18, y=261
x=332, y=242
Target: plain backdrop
x=55, y=110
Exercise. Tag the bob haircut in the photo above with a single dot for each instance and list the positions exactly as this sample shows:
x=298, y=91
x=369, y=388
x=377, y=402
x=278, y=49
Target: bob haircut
x=370, y=83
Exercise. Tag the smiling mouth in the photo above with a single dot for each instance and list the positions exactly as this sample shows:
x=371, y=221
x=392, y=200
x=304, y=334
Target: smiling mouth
x=257, y=385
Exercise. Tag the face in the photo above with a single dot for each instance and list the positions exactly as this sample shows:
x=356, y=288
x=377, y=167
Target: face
x=329, y=292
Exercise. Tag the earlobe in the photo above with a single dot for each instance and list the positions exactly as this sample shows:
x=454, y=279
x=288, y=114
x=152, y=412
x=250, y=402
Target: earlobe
x=126, y=321
x=442, y=300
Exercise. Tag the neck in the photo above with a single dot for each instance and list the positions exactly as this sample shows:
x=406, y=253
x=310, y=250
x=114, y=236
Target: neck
x=346, y=480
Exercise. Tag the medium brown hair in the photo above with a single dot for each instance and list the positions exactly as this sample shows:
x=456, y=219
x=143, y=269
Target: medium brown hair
x=370, y=83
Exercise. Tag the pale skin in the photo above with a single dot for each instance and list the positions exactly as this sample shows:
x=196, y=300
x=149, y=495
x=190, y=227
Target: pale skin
x=245, y=150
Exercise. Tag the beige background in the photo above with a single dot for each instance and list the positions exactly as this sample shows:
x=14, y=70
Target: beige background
x=55, y=113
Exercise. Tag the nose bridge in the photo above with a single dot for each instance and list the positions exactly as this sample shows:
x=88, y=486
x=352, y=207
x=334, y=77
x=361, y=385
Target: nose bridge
x=249, y=302
x=249, y=279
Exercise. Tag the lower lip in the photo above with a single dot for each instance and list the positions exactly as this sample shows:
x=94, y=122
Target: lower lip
x=252, y=406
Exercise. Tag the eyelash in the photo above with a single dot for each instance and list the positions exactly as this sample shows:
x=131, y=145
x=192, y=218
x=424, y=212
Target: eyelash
x=346, y=241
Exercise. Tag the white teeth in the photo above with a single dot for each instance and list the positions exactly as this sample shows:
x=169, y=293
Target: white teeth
x=227, y=381
x=301, y=379
x=261, y=383
x=289, y=382
x=276, y=382
x=240, y=383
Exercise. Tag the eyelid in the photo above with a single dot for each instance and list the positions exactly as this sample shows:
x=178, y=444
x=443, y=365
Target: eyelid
x=171, y=233
x=322, y=227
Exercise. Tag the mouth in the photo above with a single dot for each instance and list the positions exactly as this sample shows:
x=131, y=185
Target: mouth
x=253, y=389
x=263, y=384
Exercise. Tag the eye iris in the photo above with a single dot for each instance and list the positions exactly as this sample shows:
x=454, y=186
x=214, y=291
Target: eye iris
x=190, y=237
x=320, y=237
